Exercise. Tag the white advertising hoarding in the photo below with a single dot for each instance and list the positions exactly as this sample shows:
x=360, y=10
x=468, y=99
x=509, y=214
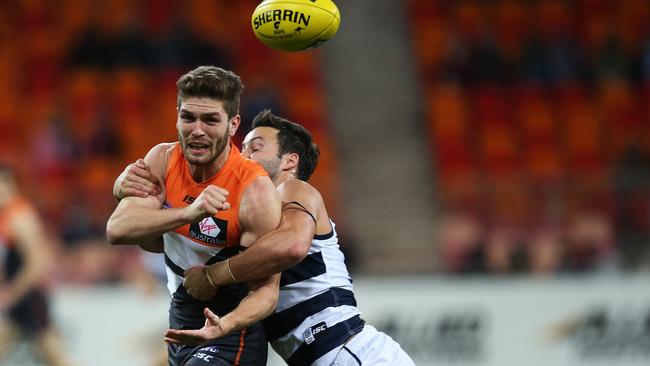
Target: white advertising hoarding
x=442, y=322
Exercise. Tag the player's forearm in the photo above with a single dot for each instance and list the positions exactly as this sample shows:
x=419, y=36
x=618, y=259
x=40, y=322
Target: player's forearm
x=257, y=305
x=141, y=225
x=275, y=252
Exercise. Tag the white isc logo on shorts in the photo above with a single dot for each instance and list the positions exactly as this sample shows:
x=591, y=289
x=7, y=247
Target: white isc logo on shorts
x=310, y=333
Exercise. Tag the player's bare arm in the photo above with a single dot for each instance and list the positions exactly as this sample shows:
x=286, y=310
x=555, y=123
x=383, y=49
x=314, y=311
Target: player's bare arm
x=31, y=242
x=139, y=220
x=303, y=215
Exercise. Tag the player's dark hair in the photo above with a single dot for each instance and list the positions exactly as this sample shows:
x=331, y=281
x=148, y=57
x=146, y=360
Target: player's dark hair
x=212, y=82
x=292, y=138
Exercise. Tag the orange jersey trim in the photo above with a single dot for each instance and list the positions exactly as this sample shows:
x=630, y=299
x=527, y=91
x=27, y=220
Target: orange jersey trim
x=242, y=343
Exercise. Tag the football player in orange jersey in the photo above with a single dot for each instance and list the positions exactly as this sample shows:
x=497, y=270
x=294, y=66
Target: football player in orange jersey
x=316, y=321
x=26, y=259
x=212, y=203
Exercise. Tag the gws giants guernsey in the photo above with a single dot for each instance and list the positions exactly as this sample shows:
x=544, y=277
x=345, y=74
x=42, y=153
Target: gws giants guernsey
x=211, y=240
x=10, y=257
x=204, y=241
x=317, y=311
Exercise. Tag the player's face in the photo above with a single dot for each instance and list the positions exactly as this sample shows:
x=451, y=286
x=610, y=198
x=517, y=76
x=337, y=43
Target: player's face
x=204, y=129
x=261, y=145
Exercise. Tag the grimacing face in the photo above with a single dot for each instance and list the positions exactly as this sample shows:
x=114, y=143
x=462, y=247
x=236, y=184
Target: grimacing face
x=203, y=129
x=261, y=145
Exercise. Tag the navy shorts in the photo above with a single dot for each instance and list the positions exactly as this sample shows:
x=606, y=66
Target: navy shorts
x=246, y=348
x=30, y=314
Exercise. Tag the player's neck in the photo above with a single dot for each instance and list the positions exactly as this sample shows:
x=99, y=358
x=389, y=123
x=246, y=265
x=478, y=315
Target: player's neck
x=201, y=173
x=283, y=178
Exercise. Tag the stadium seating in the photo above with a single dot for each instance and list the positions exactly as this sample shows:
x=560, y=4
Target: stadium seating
x=541, y=100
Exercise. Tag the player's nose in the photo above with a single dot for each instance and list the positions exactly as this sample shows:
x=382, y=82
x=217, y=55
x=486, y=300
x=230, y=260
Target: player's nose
x=197, y=129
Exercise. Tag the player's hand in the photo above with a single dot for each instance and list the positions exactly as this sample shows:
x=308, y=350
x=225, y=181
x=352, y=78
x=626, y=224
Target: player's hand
x=208, y=203
x=213, y=328
x=137, y=181
x=197, y=285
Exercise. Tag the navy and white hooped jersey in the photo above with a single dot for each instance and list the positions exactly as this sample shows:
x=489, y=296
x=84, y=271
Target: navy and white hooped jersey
x=316, y=311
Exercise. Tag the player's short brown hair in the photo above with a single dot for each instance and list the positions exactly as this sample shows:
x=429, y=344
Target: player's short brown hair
x=212, y=82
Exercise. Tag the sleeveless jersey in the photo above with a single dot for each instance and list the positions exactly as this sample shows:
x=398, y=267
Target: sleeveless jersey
x=213, y=237
x=30, y=314
x=316, y=311
x=211, y=240
x=9, y=256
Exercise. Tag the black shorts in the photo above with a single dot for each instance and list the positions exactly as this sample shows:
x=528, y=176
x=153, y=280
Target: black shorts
x=30, y=314
x=246, y=348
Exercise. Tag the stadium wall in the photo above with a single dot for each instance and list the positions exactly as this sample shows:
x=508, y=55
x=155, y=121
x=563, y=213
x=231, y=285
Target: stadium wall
x=478, y=322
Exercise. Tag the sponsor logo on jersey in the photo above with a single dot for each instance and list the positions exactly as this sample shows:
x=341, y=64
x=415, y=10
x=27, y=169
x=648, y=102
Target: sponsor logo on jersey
x=210, y=230
x=310, y=334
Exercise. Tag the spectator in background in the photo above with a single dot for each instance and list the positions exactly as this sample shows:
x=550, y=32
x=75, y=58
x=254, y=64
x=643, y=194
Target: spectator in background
x=632, y=190
x=589, y=241
x=460, y=236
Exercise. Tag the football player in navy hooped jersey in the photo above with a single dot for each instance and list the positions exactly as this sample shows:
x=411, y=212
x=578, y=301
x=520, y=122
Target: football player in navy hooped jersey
x=316, y=321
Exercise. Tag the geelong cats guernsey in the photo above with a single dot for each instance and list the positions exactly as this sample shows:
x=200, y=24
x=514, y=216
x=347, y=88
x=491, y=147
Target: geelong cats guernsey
x=317, y=311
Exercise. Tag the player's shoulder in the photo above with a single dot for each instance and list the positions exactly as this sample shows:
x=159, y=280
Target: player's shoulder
x=20, y=210
x=298, y=190
x=160, y=155
x=163, y=149
x=19, y=205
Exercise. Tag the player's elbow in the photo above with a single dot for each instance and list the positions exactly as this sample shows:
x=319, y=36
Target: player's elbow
x=114, y=233
x=298, y=250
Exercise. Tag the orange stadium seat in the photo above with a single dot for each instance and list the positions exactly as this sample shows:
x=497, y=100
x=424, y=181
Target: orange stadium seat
x=621, y=113
x=449, y=129
x=511, y=26
x=537, y=119
x=583, y=138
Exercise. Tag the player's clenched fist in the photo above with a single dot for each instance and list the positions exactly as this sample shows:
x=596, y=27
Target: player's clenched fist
x=208, y=203
x=197, y=284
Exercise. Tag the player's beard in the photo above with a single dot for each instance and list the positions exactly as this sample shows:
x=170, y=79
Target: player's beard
x=219, y=146
x=272, y=166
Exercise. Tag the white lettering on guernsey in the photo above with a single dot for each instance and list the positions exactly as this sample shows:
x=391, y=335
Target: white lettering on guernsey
x=206, y=239
x=203, y=356
x=310, y=333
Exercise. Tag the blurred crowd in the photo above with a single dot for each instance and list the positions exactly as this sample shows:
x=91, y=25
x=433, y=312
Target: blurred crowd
x=538, y=115
x=539, y=121
x=89, y=86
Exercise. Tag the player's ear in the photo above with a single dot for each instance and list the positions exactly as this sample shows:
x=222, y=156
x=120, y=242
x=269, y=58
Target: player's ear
x=233, y=125
x=290, y=161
